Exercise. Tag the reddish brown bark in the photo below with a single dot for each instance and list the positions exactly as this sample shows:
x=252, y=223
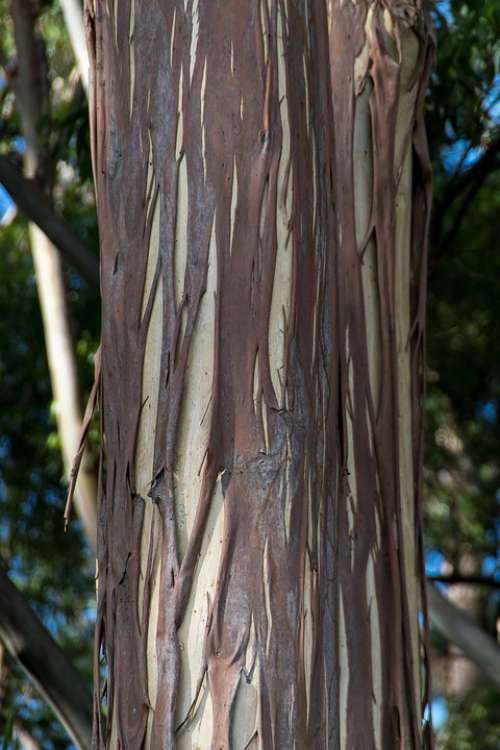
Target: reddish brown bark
x=224, y=153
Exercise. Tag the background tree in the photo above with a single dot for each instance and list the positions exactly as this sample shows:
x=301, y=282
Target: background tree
x=462, y=445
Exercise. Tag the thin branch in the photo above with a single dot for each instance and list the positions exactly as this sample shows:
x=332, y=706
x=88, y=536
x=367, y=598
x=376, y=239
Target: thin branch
x=454, y=578
x=458, y=628
x=33, y=203
x=32, y=646
x=469, y=181
x=466, y=203
x=482, y=167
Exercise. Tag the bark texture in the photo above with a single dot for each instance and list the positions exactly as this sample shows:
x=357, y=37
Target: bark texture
x=263, y=194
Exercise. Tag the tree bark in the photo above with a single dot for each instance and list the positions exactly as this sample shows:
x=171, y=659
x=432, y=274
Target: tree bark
x=263, y=198
x=25, y=737
x=464, y=673
x=73, y=17
x=32, y=102
x=45, y=663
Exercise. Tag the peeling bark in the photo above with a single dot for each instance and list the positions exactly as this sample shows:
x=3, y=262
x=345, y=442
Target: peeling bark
x=263, y=194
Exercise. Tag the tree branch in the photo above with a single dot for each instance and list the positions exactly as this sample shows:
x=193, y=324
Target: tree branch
x=458, y=628
x=30, y=644
x=480, y=169
x=452, y=232
x=453, y=578
x=471, y=180
x=38, y=209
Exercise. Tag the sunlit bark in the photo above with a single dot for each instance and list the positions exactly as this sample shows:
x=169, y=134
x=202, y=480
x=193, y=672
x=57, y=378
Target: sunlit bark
x=263, y=195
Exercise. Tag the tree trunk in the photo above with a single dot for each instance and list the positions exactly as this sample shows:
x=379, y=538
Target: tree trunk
x=27, y=741
x=73, y=17
x=32, y=102
x=463, y=673
x=263, y=194
x=45, y=663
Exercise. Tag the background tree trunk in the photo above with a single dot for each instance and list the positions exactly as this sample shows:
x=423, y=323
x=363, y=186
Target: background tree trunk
x=462, y=674
x=73, y=17
x=263, y=197
x=45, y=663
x=30, y=85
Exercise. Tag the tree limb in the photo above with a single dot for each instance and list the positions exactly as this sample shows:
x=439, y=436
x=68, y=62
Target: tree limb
x=458, y=628
x=472, y=580
x=468, y=181
x=480, y=169
x=30, y=644
x=38, y=209
x=449, y=237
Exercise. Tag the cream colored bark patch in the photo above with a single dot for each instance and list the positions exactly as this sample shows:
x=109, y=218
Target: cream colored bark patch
x=151, y=537
x=283, y=275
x=403, y=166
x=193, y=700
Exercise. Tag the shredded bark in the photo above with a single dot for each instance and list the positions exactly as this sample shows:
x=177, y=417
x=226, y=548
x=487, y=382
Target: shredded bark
x=253, y=107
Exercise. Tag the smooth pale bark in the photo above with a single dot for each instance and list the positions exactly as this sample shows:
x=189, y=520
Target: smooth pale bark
x=262, y=187
x=45, y=663
x=28, y=742
x=73, y=17
x=31, y=100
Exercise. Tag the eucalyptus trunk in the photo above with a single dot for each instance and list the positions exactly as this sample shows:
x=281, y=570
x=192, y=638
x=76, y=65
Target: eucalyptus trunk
x=263, y=193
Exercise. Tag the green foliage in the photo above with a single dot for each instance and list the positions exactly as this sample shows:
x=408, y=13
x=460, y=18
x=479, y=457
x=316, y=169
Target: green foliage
x=473, y=722
x=463, y=431
x=462, y=452
x=53, y=568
